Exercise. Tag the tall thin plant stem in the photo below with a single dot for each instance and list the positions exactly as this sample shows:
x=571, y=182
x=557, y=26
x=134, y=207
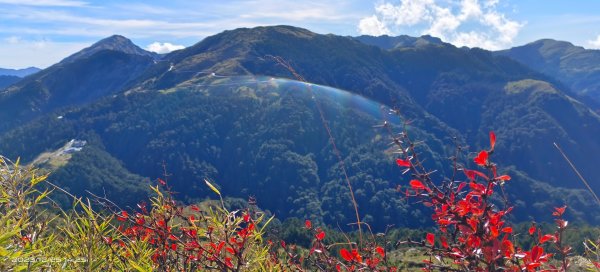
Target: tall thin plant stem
x=577, y=172
x=336, y=151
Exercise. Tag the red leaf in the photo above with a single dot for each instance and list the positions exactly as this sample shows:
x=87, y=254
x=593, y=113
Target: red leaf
x=356, y=255
x=508, y=248
x=536, y=253
x=162, y=182
x=346, y=254
x=416, y=184
x=559, y=211
x=532, y=230
x=123, y=216
x=246, y=218
x=430, y=238
x=231, y=250
x=444, y=242
x=173, y=247
x=507, y=230
x=380, y=250
x=308, y=224
x=320, y=236
x=471, y=174
x=547, y=238
x=195, y=208
x=403, y=163
x=476, y=187
x=220, y=247
x=482, y=158
x=503, y=177
x=492, y=140
x=228, y=262
x=494, y=231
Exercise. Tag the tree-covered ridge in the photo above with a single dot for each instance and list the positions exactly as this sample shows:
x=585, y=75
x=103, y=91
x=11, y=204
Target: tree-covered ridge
x=260, y=137
x=472, y=231
x=74, y=83
x=6, y=80
x=576, y=66
x=264, y=141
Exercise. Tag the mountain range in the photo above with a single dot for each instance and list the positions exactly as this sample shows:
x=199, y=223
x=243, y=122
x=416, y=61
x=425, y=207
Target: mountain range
x=11, y=76
x=19, y=72
x=222, y=109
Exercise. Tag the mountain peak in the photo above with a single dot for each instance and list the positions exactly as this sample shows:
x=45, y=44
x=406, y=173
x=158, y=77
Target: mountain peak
x=391, y=42
x=573, y=65
x=543, y=50
x=551, y=43
x=283, y=29
x=115, y=43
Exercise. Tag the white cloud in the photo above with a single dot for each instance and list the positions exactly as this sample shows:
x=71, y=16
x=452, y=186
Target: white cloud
x=470, y=9
x=163, y=48
x=407, y=13
x=595, y=43
x=444, y=21
x=471, y=23
x=49, y=3
x=372, y=26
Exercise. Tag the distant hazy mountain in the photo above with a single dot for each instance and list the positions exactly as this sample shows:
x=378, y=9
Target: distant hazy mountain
x=136, y=113
x=12, y=76
x=575, y=66
x=391, y=42
x=112, y=43
x=7, y=81
x=19, y=72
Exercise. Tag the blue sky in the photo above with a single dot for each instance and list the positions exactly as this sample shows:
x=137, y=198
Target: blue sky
x=42, y=32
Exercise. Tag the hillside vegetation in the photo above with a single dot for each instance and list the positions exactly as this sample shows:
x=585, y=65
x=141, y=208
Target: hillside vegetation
x=201, y=111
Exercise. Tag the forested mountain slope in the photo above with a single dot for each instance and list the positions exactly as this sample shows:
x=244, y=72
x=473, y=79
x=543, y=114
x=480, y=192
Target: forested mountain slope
x=212, y=110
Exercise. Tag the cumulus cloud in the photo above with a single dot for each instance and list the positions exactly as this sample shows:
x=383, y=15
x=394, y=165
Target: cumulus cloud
x=472, y=23
x=163, y=48
x=595, y=43
x=372, y=26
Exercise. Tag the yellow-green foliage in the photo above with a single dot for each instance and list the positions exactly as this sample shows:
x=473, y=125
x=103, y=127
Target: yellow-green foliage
x=81, y=240
x=592, y=250
x=23, y=236
x=36, y=236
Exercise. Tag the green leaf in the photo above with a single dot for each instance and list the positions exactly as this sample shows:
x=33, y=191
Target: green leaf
x=212, y=187
x=266, y=224
x=6, y=236
x=138, y=267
